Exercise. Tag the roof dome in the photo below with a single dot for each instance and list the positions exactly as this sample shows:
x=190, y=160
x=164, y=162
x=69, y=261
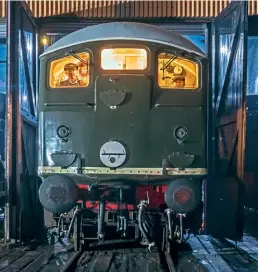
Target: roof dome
x=124, y=31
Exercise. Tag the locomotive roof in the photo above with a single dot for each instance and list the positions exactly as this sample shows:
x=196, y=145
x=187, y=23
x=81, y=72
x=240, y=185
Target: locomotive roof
x=124, y=31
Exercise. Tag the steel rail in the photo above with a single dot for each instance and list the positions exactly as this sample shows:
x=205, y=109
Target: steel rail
x=170, y=263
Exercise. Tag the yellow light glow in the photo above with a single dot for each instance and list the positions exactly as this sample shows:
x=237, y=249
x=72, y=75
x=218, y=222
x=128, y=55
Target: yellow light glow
x=124, y=59
x=61, y=77
x=44, y=41
x=179, y=72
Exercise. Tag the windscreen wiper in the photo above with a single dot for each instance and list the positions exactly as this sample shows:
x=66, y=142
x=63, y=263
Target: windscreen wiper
x=71, y=53
x=170, y=61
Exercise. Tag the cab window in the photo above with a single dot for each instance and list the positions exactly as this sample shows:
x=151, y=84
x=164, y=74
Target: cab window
x=124, y=59
x=176, y=72
x=69, y=72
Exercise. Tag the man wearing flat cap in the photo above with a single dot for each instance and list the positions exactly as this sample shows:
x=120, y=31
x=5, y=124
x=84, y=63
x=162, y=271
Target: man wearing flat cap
x=71, y=70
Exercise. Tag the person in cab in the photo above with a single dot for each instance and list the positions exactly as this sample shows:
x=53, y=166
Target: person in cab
x=179, y=82
x=83, y=73
x=71, y=70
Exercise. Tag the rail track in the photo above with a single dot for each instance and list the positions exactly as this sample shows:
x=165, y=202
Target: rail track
x=130, y=259
x=201, y=254
x=125, y=260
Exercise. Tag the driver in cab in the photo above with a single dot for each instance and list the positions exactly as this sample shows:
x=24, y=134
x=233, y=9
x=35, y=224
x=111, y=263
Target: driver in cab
x=71, y=70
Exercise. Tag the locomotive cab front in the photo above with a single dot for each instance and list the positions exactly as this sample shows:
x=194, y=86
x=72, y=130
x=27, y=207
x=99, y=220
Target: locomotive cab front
x=123, y=131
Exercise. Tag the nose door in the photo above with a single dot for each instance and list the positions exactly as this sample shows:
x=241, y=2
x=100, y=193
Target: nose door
x=122, y=105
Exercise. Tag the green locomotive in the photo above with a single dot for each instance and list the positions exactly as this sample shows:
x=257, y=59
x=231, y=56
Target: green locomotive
x=122, y=114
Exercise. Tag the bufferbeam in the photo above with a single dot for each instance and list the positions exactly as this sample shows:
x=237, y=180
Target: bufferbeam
x=123, y=171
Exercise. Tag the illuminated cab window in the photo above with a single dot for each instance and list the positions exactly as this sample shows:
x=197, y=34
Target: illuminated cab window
x=123, y=59
x=69, y=72
x=177, y=72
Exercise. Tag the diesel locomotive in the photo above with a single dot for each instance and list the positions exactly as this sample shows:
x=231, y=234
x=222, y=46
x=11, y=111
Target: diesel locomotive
x=122, y=134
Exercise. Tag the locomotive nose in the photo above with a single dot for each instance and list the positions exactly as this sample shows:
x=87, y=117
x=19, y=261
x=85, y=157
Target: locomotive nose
x=182, y=195
x=58, y=194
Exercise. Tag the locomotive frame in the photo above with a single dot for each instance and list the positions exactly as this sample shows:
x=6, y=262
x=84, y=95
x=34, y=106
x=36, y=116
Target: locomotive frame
x=219, y=186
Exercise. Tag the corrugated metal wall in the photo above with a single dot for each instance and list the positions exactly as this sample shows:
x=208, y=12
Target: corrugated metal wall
x=129, y=9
